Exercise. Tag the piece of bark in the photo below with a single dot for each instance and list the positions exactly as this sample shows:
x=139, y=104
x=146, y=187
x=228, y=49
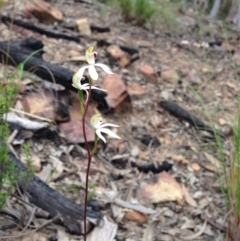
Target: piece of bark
x=42, y=29
x=99, y=29
x=165, y=166
x=183, y=114
x=51, y=201
x=19, y=51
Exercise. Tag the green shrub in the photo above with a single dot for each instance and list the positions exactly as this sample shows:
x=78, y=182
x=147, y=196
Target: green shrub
x=144, y=10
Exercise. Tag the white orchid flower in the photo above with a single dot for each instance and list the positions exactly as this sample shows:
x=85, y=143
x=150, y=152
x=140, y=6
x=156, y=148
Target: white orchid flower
x=90, y=57
x=97, y=123
x=85, y=87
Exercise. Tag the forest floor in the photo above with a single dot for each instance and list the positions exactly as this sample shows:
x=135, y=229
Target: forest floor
x=193, y=67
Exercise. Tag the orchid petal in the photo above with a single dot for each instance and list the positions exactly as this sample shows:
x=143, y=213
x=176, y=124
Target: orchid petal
x=109, y=132
x=105, y=68
x=90, y=56
x=79, y=74
x=86, y=96
x=96, y=88
x=96, y=121
x=85, y=86
x=76, y=82
x=108, y=124
x=92, y=72
x=98, y=132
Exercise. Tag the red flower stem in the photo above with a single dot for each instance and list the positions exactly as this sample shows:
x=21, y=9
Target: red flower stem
x=89, y=161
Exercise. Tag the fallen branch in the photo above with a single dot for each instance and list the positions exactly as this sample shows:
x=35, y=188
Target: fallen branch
x=42, y=29
x=51, y=201
x=183, y=114
x=18, y=51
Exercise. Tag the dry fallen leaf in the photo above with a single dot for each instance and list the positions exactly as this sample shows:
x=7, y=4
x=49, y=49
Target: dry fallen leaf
x=136, y=216
x=116, y=90
x=152, y=231
x=44, y=11
x=188, y=197
x=160, y=188
x=73, y=131
x=217, y=165
x=106, y=231
x=148, y=72
x=34, y=159
x=194, y=236
x=195, y=166
x=39, y=104
x=62, y=235
x=179, y=158
x=134, y=89
x=45, y=173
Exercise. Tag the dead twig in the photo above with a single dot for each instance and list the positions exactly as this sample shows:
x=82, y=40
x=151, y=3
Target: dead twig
x=220, y=227
x=33, y=231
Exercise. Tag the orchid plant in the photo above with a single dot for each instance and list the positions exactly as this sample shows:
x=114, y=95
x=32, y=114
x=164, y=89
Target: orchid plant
x=96, y=121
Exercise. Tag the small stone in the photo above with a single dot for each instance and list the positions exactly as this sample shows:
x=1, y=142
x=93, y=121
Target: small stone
x=170, y=75
x=222, y=122
x=116, y=89
x=40, y=147
x=121, y=148
x=227, y=130
x=193, y=78
x=83, y=26
x=148, y=72
x=195, y=166
x=135, y=151
x=156, y=121
x=165, y=95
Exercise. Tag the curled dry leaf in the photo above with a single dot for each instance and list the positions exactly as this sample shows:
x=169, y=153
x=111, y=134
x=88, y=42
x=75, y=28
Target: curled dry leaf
x=136, y=216
x=160, y=188
x=188, y=224
x=111, y=197
x=196, y=235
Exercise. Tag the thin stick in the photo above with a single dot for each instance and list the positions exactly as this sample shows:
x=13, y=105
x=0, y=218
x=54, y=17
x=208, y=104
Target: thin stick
x=33, y=231
x=89, y=162
x=31, y=115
